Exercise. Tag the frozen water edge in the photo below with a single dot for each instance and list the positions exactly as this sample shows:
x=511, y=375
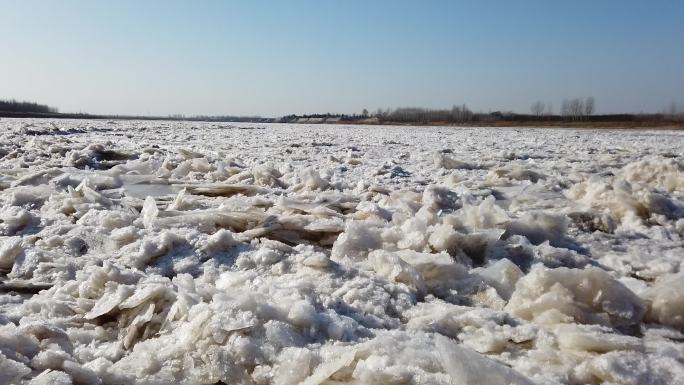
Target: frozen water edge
x=333, y=254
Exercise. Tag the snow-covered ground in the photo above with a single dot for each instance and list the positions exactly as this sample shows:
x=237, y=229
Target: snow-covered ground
x=199, y=253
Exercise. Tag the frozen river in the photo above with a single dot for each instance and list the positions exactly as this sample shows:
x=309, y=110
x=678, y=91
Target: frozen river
x=157, y=252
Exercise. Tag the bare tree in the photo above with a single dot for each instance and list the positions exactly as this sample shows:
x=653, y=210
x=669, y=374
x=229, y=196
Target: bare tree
x=549, y=109
x=577, y=108
x=672, y=109
x=565, y=108
x=589, y=105
x=538, y=108
x=364, y=113
x=573, y=108
x=674, y=112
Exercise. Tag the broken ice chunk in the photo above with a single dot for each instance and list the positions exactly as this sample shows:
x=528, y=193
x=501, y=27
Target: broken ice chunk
x=113, y=295
x=564, y=295
x=502, y=275
x=667, y=301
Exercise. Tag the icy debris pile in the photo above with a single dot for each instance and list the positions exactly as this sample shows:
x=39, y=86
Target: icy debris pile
x=587, y=296
x=313, y=255
x=647, y=191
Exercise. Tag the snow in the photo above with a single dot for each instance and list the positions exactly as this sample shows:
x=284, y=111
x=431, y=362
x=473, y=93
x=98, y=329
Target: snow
x=155, y=252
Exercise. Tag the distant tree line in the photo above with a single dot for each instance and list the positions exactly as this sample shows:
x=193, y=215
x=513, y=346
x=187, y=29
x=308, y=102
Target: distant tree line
x=576, y=109
x=223, y=118
x=25, y=107
x=416, y=115
x=674, y=112
x=572, y=109
x=457, y=114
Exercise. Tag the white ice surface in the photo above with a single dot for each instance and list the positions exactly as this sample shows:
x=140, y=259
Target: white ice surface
x=200, y=253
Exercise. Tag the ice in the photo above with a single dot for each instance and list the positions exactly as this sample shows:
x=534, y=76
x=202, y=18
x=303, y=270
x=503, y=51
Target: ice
x=449, y=163
x=327, y=369
x=395, y=269
x=113, y=295
x=467, y=367
x=634, y=368
x=594, y=339
x=10, y=249
x=562, y=295
x=12, y=371
x=539, y=227
x=358, y=238
x=144, y=190
x=49, y=377
x=485, y=215
x=14, y=219
x=320, y=254
x=667, y=301
x=637, y=192
x=656, y=172
x=520, y=173
x=502, y=275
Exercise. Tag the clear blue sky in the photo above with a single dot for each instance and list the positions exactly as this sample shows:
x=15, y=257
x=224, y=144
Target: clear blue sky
x=276, y=57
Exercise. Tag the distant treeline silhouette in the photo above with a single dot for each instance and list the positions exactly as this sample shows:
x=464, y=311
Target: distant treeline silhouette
x=456, y=114
x=25, y=107
x=572, y=110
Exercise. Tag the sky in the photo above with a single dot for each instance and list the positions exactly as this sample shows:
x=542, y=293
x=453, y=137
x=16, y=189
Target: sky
x=272, y=58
